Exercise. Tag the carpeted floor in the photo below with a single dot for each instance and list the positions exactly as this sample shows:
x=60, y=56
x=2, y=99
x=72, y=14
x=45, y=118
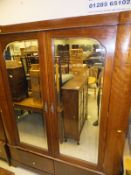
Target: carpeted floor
x=5, y=172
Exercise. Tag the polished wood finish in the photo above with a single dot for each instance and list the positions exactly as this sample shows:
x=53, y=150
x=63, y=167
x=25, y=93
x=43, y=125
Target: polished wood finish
x=125, y=17
x=4, y=153
x=46, y=93
x=120, y=101
x=72, y=22
x=3, y=150
x=83, y=21
x=124, y=46
x=64, y=168
x=32, y=160
x=6, y=112
x=74, y=100
x=116, y=97
x=16, y=164
x=2, y=132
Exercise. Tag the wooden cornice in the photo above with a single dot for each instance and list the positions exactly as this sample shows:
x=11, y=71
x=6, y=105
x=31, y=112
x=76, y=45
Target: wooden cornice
x=64, y=23
x=83, y=21
x=125, y=17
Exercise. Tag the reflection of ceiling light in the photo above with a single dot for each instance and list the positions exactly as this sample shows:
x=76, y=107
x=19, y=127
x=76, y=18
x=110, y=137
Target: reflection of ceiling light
x=102, y=50
x=98, y=50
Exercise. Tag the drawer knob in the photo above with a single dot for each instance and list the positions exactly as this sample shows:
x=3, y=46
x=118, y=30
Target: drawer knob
x=33, y=163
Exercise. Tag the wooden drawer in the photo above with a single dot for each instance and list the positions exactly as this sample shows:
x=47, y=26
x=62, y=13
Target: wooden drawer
x=3, y=154
x=66, y=169
x=33, y=160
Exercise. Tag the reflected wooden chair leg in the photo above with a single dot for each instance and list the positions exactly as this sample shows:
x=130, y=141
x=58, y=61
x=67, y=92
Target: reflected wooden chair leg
x=98, y=108
x=95, y=92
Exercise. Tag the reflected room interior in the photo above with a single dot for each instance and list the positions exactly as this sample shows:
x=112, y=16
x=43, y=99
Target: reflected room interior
x=79, y=66
x=23, y=70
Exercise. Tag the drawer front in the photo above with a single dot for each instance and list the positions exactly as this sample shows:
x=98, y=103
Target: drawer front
x=66, y=169
x=33, y=160
x=3, y=154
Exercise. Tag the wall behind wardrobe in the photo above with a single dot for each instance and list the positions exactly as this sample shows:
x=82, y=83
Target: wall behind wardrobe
x=19, y=11
x=22, y=11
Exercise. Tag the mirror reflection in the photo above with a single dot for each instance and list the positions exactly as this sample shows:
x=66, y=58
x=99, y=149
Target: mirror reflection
x=79, y=66
x=23, y=70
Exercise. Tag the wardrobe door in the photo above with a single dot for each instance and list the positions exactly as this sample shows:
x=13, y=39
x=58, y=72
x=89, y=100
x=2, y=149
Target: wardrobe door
x=82, y=61
x=26, y=91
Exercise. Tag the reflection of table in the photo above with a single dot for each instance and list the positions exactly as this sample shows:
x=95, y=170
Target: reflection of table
x=29, y=104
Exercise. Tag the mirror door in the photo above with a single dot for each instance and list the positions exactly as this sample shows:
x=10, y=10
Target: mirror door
x=82, y=60
x=26, y=81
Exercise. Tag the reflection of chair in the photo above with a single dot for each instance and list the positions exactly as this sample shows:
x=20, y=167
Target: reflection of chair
x=99, y=93
x=92, y=79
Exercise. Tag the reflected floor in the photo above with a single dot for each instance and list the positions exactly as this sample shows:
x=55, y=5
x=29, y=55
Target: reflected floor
x=32, y=132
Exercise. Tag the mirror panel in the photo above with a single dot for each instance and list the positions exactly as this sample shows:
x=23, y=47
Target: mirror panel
x=23, y=70
x=79, y=67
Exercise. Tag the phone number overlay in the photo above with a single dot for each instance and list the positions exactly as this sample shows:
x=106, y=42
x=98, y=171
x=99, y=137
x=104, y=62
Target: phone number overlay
x=110, y=4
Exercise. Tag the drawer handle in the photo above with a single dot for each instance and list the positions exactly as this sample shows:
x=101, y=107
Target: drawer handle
x=33, y=163
x=10, y=76
x=74, y=116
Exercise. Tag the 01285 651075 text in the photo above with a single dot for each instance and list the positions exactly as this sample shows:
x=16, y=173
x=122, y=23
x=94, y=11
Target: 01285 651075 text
x=109, y=3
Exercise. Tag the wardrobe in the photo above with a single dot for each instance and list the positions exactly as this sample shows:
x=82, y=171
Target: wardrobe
x=72, y=98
